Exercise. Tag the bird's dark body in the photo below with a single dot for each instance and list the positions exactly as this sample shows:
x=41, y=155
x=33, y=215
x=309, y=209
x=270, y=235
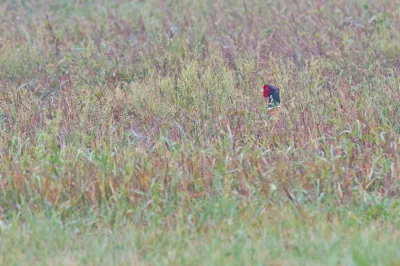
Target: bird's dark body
x=272, y=94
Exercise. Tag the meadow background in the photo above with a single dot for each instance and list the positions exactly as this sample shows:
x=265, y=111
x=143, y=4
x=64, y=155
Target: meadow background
x=135, y=132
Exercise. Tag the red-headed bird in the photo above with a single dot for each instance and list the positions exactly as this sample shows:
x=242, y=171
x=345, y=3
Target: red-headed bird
x=272, y=94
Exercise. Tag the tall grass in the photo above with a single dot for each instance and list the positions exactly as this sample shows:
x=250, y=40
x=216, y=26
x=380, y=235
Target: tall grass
x=135, y=132
x=119, y=102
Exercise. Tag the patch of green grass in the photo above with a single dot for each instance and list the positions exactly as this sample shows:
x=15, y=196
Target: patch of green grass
x=206, y=231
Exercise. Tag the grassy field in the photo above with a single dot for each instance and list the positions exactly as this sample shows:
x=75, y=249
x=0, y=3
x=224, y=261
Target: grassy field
x=135, y=132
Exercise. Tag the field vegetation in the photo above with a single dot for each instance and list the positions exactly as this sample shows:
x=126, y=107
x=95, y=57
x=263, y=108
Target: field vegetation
x=135, y=132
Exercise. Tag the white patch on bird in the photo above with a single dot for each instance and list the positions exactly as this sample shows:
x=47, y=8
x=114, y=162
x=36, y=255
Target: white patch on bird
x=270, y=108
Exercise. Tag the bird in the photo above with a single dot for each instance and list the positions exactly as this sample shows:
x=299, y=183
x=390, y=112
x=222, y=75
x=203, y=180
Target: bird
x=272, y=94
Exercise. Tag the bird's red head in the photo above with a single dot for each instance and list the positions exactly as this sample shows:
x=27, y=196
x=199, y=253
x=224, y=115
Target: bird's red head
x=267, y=91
